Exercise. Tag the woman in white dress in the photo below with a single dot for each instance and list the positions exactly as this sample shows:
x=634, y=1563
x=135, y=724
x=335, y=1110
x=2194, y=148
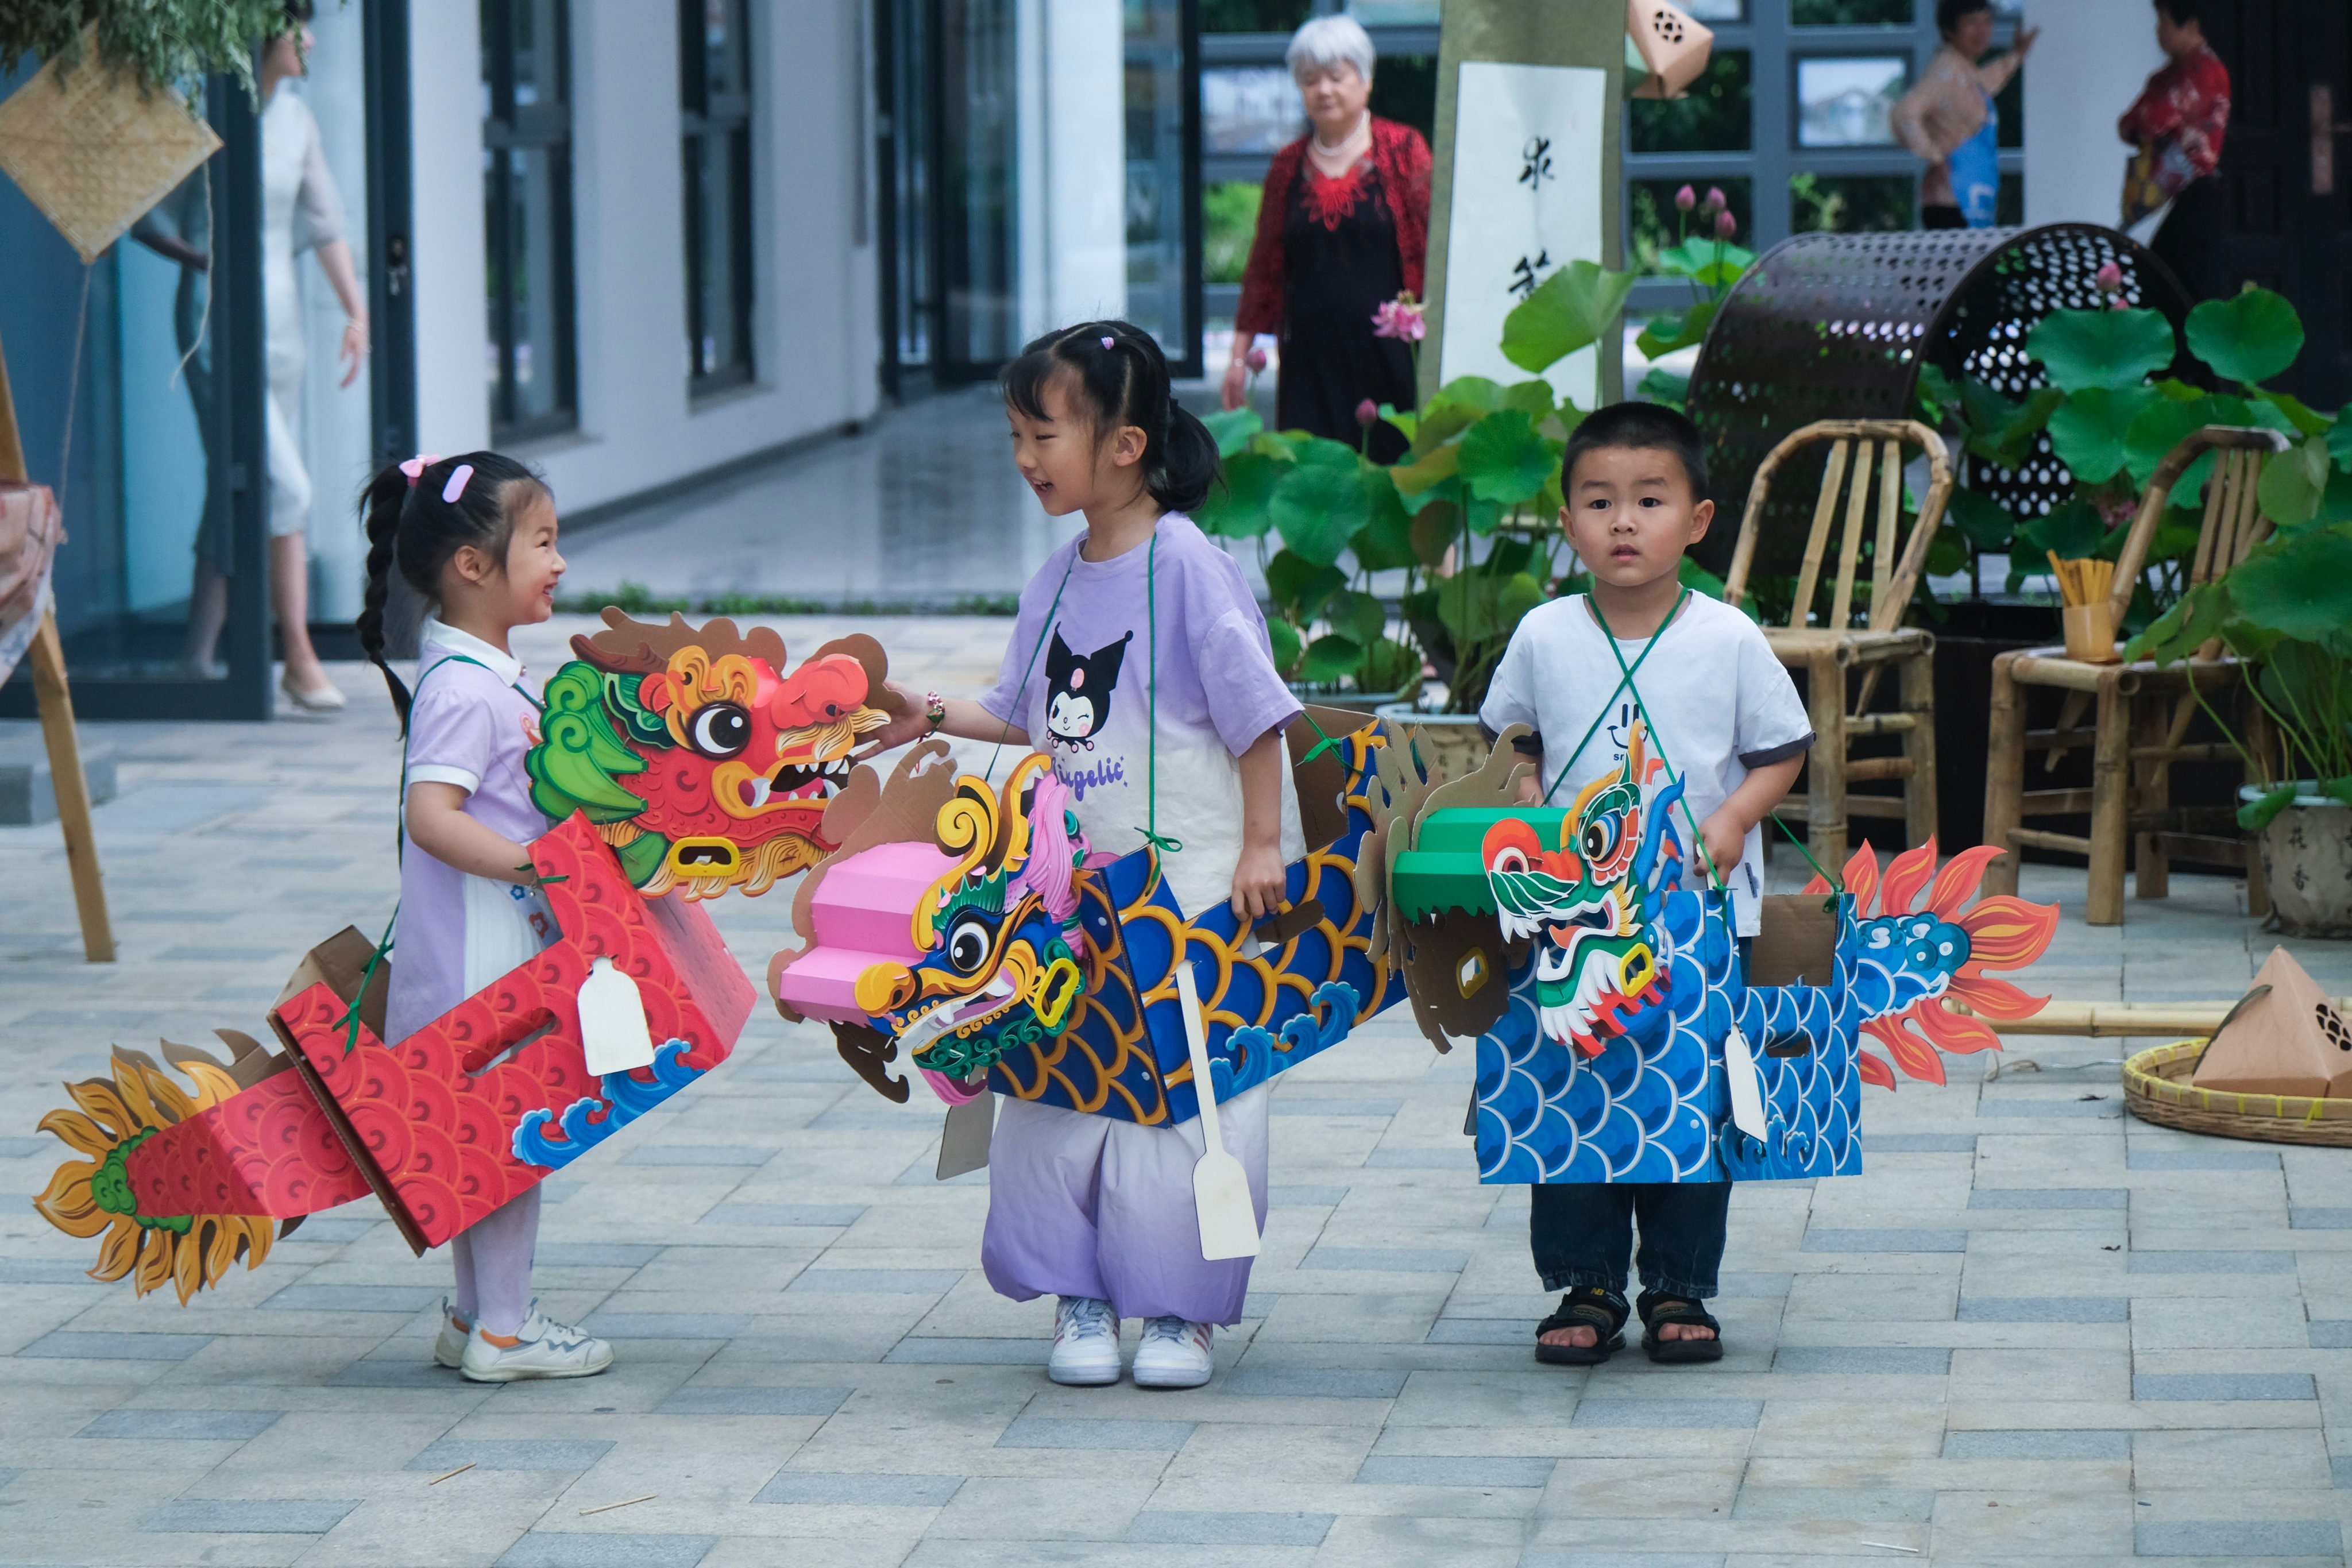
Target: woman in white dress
x=300, y=211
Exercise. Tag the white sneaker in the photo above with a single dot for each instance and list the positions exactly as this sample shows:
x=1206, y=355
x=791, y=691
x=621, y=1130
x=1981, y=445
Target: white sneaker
x=1085, y=1343
x=542, y=1348
x=450, y=1345
x=1174, y=1354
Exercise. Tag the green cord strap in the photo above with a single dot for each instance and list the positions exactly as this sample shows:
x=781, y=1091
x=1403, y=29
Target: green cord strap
x=1837, y=883
x=1044, y=632
x=349, y=1022
x=1625, y=679
x=1659, y=741
x=1151, y=832
x=1325, y=744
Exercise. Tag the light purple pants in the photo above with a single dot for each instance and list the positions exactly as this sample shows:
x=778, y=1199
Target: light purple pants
x=493, y=1258
x=1085, y=1205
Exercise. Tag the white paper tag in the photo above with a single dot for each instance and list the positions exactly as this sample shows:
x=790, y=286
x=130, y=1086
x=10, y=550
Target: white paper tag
x=614, y=1036
x=1747, y=1094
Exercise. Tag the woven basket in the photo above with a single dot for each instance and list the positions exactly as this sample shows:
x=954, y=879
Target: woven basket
x=2156, y=1088
x=95, y=152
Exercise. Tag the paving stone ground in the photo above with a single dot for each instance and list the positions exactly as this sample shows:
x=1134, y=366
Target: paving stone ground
x=2033, y=1332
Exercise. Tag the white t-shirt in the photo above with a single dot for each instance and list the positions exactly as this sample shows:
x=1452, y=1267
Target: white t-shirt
x=1720, y=704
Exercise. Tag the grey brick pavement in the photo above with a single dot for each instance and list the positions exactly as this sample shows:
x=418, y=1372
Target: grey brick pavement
x=2033, y=1332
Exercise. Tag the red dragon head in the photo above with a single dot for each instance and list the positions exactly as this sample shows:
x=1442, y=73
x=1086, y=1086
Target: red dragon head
x=704, y=764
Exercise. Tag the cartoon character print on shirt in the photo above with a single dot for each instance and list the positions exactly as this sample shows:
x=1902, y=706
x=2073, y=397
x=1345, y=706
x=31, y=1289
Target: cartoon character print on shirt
x=1077, y=691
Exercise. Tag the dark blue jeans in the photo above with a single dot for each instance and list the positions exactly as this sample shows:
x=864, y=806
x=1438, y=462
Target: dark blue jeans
x=1582, y=1233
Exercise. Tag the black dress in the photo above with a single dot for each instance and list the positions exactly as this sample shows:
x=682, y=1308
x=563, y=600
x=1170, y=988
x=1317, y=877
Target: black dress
x=1339, y=258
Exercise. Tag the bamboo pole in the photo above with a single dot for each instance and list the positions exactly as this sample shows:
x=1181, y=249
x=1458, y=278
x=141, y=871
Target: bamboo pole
x=2114, y=1020
x=58, y=732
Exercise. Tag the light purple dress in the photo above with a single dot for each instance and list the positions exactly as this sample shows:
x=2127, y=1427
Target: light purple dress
x=455, y=934
x=1085, y=1205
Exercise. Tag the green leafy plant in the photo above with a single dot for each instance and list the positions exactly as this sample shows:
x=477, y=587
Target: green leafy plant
x=162, y=43
x=2112, y=412
x=2286, y=612
x=1711, y=264
x=1466, y=513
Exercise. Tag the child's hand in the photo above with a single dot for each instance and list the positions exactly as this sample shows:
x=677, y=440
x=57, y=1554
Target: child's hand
x=1258, y=884
x=911, y=722
x=1727, y=841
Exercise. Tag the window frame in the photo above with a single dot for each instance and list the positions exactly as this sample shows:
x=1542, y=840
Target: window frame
x=705, y=117
x=545, y=127
x=1774, y=45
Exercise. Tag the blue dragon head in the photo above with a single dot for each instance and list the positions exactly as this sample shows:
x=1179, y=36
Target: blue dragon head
x=1592, y=906
x=995, y=968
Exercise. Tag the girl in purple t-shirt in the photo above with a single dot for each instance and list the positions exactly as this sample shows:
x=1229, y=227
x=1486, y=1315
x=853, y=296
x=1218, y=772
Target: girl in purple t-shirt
x=1139, y=664
x=475, y=536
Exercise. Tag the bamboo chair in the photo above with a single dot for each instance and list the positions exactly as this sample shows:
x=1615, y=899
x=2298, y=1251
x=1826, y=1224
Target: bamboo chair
x=2143, y=713
x=1851, y=636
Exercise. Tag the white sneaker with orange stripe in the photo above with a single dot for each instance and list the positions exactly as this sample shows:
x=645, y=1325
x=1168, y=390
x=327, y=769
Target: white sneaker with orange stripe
x=541, y=1347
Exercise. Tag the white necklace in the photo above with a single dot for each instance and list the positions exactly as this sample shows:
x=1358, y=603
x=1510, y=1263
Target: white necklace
x=1332, y=150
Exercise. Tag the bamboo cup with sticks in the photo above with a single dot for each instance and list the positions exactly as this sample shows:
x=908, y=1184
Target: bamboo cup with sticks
x=2089, y=618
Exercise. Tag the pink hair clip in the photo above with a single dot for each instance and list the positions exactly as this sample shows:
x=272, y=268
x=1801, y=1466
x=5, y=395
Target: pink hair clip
x=414, y=468
x=1106, y=343
x=456, y=485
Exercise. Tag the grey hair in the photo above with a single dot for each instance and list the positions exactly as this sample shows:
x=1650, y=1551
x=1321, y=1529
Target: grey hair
x=1322, y=42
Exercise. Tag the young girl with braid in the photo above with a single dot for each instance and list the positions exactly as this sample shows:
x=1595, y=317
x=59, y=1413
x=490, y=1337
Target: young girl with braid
x=1139, y=663
x=475, y=535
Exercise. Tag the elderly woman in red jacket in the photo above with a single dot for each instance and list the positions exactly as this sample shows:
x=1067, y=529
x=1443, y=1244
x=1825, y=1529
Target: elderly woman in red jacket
x=1342, y=229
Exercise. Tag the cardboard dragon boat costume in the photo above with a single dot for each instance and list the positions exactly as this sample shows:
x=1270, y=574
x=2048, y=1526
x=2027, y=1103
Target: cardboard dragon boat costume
x=969, y=931
x=674, y=760
x=1618, y=1037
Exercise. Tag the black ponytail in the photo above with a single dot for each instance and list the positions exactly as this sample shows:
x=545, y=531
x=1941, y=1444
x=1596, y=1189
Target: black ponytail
x=1116, y=374
x=413, y=529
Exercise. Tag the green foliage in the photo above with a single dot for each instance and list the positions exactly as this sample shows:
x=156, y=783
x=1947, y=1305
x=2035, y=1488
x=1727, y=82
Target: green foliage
x=1321, y=501
x=160, y=43
x=2089, y=430
x=1228, y=223
x=1505, y=459
x=1239, y=508
x=2293, y=483
x=1234, y=428
x=2286, y=611
x=2250, y=337
x=2081, y=349
x=1567, y=312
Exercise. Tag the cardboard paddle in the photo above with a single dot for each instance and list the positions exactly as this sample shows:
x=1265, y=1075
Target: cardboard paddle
x=1220, y=1191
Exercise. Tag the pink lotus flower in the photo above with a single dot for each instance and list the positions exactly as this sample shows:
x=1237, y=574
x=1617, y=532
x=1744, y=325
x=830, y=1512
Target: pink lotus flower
x=1686, y=199
x=1254, y=359
x=1725, y=225
x=1368, y=413
x=1716, y=200
x=1400, y=317
x=2109, y=278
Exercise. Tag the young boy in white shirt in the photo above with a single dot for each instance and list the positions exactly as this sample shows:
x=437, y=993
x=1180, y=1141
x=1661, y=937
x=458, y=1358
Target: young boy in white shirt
x=1731, y=725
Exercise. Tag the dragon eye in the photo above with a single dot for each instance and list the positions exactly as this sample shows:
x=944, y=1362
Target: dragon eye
x=969, y=941
x=720, y=729
x=1598, y=840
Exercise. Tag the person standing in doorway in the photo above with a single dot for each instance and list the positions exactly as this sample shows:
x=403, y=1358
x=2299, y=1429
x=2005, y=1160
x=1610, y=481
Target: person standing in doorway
x=300, y=211
x=2175, y=128
x=1342, y=230
x=1950, y=119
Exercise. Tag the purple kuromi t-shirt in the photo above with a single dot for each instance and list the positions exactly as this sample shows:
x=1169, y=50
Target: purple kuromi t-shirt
x=1091, y=676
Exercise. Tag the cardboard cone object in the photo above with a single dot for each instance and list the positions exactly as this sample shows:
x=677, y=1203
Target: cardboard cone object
x=1672, y=48
x=2286, y=1037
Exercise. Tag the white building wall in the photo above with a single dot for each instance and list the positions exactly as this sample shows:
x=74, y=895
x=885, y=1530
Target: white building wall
x=815, y=307
x=1073, y=163
x=2090, y=62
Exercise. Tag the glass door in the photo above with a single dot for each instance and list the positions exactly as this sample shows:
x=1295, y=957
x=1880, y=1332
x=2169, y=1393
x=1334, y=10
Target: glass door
x=209, y=396
x=138, y=386
x=1163, y=176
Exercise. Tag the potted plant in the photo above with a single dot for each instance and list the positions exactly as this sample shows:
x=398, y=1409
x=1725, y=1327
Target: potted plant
x=1467, y=513
x=2285, y=611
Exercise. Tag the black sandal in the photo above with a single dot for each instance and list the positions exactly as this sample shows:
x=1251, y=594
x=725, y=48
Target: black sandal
x=1659, y=1311
x=1586, y=1306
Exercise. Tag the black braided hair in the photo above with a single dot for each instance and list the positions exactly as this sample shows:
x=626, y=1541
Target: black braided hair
x=1116, y=375
x=410, y=528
